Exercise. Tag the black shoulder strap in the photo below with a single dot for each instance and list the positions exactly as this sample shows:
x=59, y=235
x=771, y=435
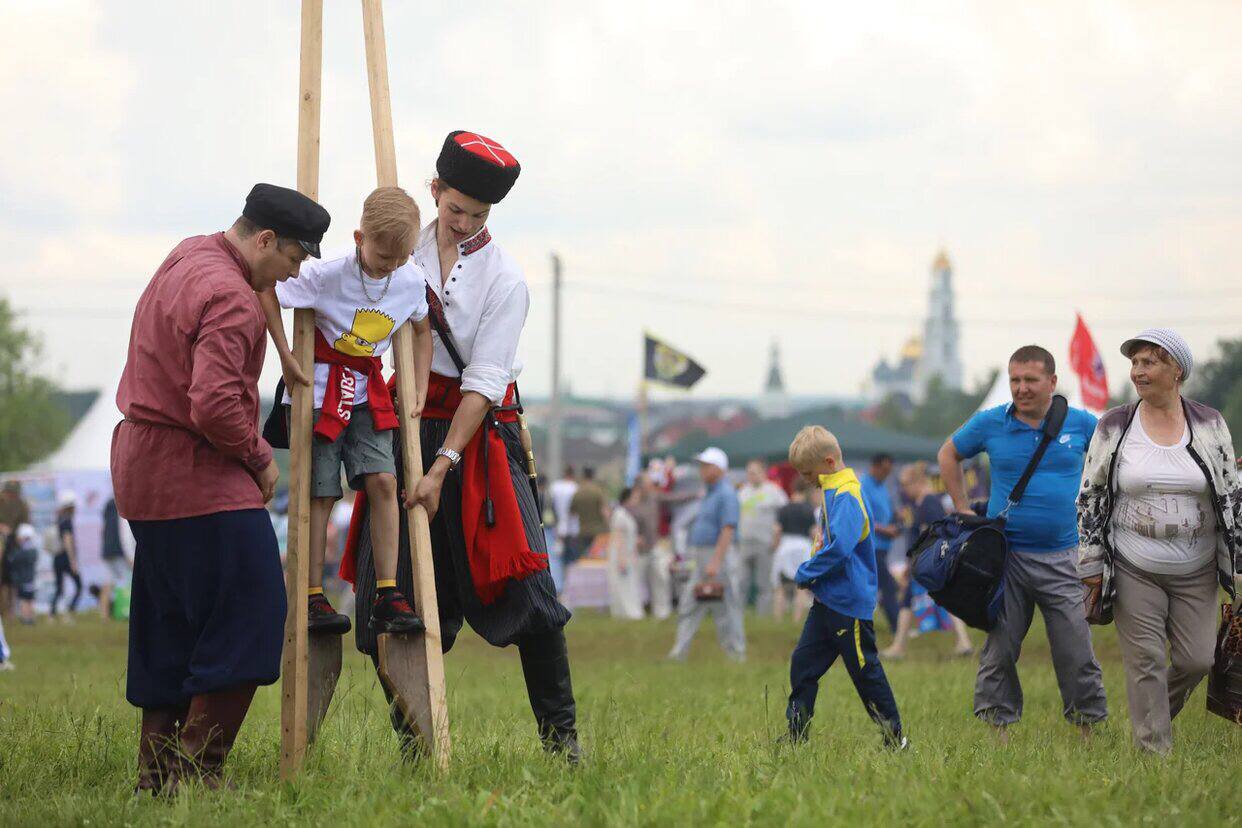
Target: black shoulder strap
x=1051, y=428
x=446, y=336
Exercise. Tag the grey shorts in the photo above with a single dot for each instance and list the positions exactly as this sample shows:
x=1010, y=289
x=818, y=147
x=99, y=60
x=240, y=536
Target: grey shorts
x=360, y=447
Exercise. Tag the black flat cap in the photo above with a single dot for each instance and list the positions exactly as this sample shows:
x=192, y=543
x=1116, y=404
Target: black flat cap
x=288, y=214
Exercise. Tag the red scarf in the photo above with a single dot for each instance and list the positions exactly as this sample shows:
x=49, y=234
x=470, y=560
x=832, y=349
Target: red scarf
x=338, y=397
x=497, y=552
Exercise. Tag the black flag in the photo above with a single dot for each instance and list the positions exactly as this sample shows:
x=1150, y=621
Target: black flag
x=668, y=365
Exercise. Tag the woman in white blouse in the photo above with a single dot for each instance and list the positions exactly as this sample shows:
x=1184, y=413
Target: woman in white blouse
x=487, y=539
x=1157, y=486
x=625, y=598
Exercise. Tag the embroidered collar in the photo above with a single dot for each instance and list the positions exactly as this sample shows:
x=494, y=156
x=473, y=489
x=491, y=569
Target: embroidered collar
x=475, y=243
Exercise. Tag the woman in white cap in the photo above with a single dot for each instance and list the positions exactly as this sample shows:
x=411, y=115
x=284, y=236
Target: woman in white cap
x=1158, y=515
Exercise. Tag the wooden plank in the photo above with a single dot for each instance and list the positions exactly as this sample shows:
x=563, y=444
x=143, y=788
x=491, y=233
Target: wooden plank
x=323, y=669
x=294, y=698
x=418, y=687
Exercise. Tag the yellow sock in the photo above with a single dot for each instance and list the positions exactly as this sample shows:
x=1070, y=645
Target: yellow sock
x=313, y=591
x=386, y=584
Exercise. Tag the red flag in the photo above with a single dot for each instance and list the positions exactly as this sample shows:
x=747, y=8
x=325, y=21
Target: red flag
x=1087, y=363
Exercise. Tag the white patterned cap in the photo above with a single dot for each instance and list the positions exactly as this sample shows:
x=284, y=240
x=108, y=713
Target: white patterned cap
x=1166, y=338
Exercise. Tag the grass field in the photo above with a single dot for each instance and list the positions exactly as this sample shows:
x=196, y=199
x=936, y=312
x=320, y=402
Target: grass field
x=692, y=743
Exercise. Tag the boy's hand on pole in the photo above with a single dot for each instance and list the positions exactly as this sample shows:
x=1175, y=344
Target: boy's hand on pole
x=292, y=371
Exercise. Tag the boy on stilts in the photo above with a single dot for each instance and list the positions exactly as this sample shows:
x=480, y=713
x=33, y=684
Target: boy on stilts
x=359, y=300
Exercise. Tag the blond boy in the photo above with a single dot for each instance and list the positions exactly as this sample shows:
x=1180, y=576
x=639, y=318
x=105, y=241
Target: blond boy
x=842, y=577
x=360, y=299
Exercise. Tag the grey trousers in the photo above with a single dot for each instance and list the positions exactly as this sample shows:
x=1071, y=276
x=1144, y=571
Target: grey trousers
x=1155, y=614
x=1048, y=580
x=756, y=570
x=727, y=614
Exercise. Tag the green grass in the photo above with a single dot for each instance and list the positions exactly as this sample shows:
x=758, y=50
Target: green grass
x=684, y=744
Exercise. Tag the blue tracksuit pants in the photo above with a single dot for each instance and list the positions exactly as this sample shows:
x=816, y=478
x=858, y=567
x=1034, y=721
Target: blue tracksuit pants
x=826, y=636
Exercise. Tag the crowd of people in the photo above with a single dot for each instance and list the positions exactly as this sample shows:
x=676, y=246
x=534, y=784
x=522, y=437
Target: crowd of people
x=1130, y=517
x=25, y=552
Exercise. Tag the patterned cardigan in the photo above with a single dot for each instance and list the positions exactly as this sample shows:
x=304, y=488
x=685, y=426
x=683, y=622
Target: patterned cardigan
x=1211, y=447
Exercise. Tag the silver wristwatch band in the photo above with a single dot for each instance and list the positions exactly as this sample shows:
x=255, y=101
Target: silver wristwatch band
x=454, y=458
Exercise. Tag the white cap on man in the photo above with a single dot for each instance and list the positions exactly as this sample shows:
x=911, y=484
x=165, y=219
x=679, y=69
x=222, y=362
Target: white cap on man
x=65, y=499
x=26, y=534
x=713, y=456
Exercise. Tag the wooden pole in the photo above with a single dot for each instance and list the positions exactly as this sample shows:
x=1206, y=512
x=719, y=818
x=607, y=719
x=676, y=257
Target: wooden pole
x=294, y=700
x=428, y=710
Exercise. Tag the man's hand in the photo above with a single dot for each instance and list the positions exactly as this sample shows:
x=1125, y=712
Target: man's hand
x=420, y=402
x=267, y=481
x=711, y=570
x=292, y=371
x=427, y=492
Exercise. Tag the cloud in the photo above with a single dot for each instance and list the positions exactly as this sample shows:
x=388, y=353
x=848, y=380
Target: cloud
x=720, y=173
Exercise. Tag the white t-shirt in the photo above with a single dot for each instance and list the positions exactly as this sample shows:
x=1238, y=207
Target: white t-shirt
x=485, y=300
x=562, y=493
x=1163, y=522
x=351, y=322
x=759, y=505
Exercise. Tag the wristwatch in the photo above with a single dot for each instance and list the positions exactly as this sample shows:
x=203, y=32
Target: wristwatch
x=453, y=457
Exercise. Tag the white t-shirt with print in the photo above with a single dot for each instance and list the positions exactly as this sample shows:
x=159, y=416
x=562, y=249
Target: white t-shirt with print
x=1164, y=521
x=346, y=315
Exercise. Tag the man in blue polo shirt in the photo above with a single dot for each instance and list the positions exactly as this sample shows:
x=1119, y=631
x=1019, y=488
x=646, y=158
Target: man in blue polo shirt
x=711, y=548
x=1043, y=540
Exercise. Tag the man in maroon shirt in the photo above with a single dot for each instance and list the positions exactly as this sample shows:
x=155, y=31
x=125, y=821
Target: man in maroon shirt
x=192, y=475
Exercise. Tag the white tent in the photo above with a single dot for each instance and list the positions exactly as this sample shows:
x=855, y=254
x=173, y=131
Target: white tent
x=89, y=446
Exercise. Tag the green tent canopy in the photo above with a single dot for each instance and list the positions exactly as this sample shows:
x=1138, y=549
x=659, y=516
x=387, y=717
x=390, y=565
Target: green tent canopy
x=769, y=440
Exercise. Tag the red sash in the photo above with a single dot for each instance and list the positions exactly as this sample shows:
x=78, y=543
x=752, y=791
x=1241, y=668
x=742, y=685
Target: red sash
x=497, y=550
x=338, y=397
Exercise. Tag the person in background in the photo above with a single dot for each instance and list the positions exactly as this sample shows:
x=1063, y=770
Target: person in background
x=794, y=524
x=624, y=600
x=760, y=500
x=561, y=494
x=928, y=507
x=587, y=506
x=65, y=564
x=654, y=557
x=25, y=560
x=116, y=549
x=1158, y=511
x=14, y=511
x=6, y=655
x=880, y=509
x=713, y=555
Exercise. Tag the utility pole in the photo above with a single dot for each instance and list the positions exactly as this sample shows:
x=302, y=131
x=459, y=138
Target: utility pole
x=555, y=458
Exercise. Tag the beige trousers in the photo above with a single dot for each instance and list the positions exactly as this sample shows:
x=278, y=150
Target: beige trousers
x=1166, y=625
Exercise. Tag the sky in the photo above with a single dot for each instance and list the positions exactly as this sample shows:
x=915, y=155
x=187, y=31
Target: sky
x=722, y=174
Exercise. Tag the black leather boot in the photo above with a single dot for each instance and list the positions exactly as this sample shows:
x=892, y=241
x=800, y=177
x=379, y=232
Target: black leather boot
x=545, y=665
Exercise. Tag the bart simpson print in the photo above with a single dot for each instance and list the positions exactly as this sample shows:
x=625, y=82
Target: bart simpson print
x=370, y=326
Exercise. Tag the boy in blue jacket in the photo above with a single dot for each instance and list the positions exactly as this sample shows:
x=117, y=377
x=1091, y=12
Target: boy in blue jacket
x=842, y=577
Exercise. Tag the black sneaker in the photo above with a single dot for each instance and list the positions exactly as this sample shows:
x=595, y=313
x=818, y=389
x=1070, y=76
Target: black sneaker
x=322, y=618
x=393, y=614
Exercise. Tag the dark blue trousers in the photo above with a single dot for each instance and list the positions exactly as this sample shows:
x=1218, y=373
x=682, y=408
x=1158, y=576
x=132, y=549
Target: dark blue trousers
x=890, y=590
x=827, y=636
x=207, y=607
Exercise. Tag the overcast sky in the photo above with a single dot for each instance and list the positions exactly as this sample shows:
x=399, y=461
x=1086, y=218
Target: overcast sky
x=721, y=174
